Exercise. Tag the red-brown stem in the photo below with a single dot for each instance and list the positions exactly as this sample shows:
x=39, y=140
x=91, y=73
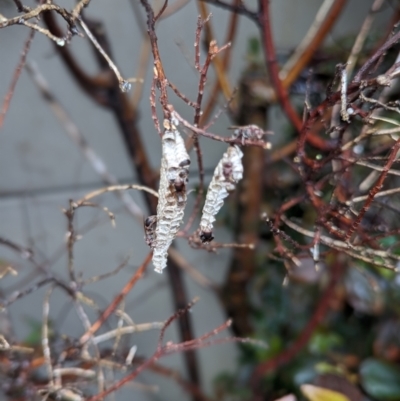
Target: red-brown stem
x=316, y=41
x=117, y=300
x=320, y=313
x=165, y=350
x=286, y=206
x=272, y=64
x=160, y=74
x=376, y=56
x=202, y=82
x=273, y=69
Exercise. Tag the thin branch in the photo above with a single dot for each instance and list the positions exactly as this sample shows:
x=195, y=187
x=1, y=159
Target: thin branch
x=59, y=41
x=159, y=70
x=376, y=257
x=272, y=64
x=218, y=64
x=17, y=73
x=375, y=57
x=326, y=17
x=376, y=188
x=226, y=57
x=77, y=137
x=160, y=13
x=36, y=13
x=380, y=194
x=113, y=305
x=124, y=84
x=45, y=338
x=127, y=330
x=113, y=188
x=231, y=140
x=240, y=8
x=365, y=30
x=169, y=349
x=76, y=12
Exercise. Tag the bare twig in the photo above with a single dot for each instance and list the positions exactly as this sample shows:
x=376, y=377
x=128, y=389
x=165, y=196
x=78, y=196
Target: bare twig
x=326, y=17
x=231, y=140
x=168, y=349
x=45, y=338
x=127, y=330
x=109, y=310
x=77, y=137
x=34, y=13
x=235, y=8
x=158, y=67
x=17, y=73
x=124, y=84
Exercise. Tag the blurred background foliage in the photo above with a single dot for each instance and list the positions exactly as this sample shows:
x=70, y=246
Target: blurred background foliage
x=353, y=353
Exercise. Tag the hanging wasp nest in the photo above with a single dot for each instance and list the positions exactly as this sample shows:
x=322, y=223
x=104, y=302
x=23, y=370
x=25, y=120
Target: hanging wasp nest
x=172, y=195
x=161, y=230
x=227, y=174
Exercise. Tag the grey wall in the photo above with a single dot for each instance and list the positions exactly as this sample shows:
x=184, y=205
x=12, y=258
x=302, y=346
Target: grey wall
x=40, y=169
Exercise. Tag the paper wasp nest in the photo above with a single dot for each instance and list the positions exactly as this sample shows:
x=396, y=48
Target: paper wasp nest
x=228, y=172
x=248, y=132
x=172, y=195
x=150, y=225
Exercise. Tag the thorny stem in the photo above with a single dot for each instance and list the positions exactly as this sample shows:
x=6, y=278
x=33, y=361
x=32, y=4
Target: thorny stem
x=219, y=67
x=375, y=189
x=212, y=51
x=375, y=57
x=223, y=67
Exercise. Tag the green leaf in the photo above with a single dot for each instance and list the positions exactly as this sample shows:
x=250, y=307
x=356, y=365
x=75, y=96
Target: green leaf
x=381, y=380
x=321, y=343
x=326, y=368
x=254, y=47
x=314, y=393
x=34, y=337
x=389, y=241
